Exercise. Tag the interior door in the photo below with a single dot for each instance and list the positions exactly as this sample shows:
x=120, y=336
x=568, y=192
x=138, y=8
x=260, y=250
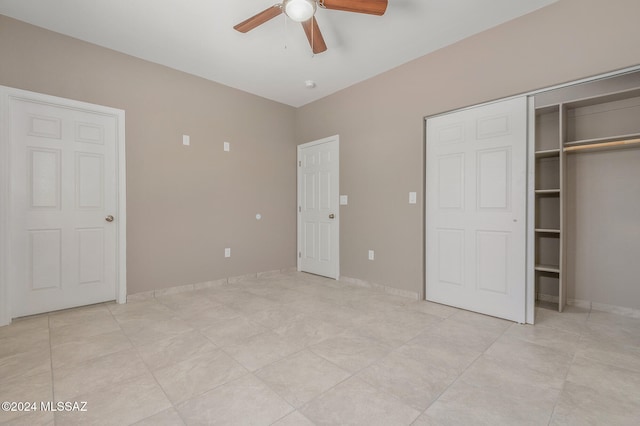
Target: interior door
x=318, y=198
x=63, y=203
x=476, y=209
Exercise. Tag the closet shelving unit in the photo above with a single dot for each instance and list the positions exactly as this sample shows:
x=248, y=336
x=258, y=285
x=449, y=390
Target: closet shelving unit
x=549, y=169
x=603, y=122
x=610, y=121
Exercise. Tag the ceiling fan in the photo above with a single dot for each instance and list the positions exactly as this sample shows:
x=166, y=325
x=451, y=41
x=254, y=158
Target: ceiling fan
x=303, y=11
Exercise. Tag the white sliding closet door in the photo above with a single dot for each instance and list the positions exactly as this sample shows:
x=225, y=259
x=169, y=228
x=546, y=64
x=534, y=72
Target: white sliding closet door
x=476, y=209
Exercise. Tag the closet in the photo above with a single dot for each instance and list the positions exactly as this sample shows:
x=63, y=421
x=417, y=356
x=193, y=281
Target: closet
x=586, y=165
x=579, y=240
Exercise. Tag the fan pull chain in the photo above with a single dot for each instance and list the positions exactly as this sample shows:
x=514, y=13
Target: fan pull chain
x=285, y=31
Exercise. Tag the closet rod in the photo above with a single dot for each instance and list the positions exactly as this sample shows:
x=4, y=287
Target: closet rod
x=602, y=145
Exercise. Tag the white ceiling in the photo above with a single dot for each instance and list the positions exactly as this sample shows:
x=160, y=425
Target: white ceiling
x=273, y=60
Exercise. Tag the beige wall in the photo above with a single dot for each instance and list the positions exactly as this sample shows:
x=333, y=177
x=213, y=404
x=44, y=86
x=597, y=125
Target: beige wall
x=380, y=121
x=185, y=204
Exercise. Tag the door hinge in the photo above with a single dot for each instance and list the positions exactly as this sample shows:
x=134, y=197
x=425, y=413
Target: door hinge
x=299, y=209
x=299, y=163
x=299, y=254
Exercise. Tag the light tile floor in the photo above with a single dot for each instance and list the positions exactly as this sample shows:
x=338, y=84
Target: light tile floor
x=296, y=349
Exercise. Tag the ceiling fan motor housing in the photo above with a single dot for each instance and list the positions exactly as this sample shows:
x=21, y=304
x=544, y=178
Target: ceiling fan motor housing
x=299, y=10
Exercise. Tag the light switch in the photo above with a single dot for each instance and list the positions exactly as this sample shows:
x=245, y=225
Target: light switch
x=227, y=146
x=344, y=200
x=227, y=252
x=412, y=198
x=371, y=255
x=186, y=140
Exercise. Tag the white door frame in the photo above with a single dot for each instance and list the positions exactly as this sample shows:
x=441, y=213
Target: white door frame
x=6, y=95
x=531, y=186
x=333, y=138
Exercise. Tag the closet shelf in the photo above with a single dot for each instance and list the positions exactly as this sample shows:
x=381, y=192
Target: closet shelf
x=548, y=153
x=548, y=268
x=601, y=99
x=548, y=191
x=547, y=231
x=602, y=140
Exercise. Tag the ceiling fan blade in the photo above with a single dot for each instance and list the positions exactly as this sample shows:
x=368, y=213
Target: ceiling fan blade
x=314, y=35
x=259, y=19
x=372, y=7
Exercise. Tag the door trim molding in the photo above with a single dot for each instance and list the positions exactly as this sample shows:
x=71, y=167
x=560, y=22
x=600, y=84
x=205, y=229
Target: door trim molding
x=6, y=95
x=300, y=147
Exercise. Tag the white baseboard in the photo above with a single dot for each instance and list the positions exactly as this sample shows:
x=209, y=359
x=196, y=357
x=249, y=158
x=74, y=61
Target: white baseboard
x=584, y=304
x=594, y=306
x=619, y=310
x=145, y=295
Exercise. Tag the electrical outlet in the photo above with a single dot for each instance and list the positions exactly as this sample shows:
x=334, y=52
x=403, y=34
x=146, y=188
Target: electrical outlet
x=186, y=140
x=227, y=252
x=226, y=146
x=371, y=255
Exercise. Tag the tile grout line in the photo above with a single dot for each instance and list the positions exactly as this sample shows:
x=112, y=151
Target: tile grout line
x=308, y=347
x=464, y=371
x=53, y=391
x=355, y=374
x=450, y=385
x=564, y=381
x=219, y=348
x=135, y=348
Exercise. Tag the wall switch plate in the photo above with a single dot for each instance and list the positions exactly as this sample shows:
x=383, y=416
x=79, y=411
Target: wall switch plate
x=344, y=200
x=227, y=146
x=371, y=255
x=412, y=198
x=186, y=140
x=227, y=252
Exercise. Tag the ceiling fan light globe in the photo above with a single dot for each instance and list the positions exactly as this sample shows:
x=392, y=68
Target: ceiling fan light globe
x=300, y=10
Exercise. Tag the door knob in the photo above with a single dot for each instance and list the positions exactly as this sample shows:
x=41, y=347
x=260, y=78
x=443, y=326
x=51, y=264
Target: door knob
x=331, y=216
x=109, y=218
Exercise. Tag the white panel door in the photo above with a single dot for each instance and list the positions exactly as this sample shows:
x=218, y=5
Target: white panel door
x=476, y=209
x=318, y=197
x=63, y=190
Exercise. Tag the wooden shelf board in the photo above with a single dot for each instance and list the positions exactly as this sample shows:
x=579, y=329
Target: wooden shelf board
x=548, y=268
x=601, y=140
x=548, y=153
x=547, y=231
